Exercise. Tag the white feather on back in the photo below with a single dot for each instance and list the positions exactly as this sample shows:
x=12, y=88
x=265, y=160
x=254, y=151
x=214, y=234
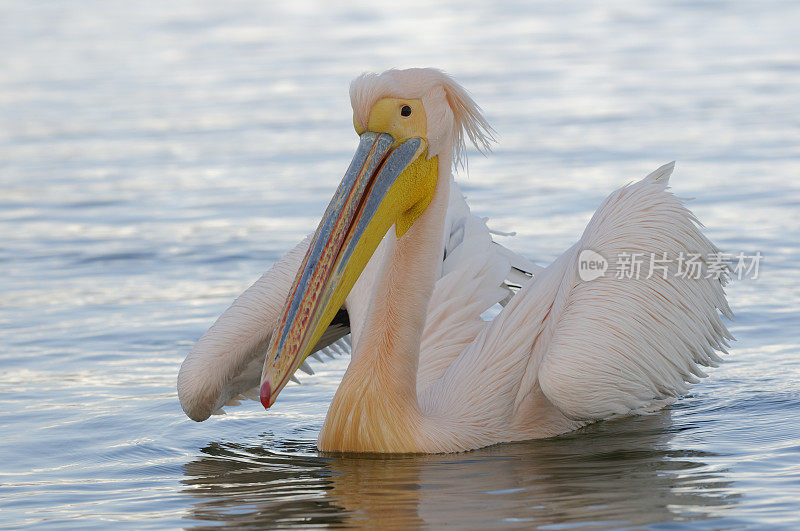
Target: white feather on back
x=620, y=344
x=473, y=273
x=600, y=348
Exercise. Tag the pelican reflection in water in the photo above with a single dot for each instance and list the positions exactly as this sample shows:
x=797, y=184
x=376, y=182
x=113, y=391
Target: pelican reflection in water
x=624, y=471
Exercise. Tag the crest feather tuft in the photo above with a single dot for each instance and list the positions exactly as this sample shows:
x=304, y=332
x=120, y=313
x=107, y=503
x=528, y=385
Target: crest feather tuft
x=453, y=116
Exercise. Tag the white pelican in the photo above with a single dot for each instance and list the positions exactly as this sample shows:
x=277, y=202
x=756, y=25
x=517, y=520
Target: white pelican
x=400, y=264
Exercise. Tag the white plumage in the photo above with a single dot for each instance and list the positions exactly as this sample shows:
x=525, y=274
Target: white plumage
x=610, y=346
x=582, y=356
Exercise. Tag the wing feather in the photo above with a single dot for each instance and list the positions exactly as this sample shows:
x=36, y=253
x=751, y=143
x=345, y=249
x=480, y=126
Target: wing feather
x=593, y=349
x=475, y=272
x=619, y=344
x=225, y=364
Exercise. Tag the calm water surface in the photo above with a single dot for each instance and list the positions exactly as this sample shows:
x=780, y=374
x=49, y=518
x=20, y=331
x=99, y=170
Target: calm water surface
x=156, y=157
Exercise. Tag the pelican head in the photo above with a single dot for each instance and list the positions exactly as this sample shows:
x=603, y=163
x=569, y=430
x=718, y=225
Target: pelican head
x=410, y=123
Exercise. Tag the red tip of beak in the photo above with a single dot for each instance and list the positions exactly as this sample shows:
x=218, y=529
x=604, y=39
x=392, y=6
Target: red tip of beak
x=265, y=394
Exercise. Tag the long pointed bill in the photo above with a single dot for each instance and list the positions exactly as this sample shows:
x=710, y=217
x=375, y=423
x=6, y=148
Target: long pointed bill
x=370, y=198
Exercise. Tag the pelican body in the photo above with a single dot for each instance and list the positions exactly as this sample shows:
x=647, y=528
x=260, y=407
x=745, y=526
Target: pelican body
x=401, y=273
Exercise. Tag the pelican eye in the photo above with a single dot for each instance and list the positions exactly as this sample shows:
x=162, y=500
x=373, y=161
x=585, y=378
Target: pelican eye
x=405, y=111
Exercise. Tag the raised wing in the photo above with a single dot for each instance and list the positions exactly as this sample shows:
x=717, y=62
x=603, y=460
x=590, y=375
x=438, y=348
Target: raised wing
x=226, y=362
x=631, y=338
x=596, y=348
